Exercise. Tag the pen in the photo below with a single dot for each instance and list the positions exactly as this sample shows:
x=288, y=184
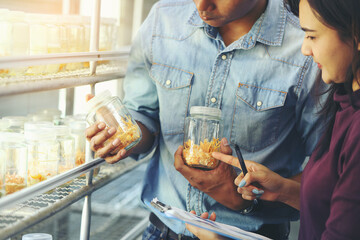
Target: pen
x=241, y=159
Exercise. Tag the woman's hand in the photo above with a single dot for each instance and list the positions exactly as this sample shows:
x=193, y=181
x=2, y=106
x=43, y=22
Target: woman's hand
x=259, y=182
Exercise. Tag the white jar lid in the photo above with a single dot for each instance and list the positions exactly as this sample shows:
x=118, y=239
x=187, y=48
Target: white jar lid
x=208, y=111
x=98, y=98
x=37, y=236
x=11, y=137
x=77, y=125
x=61, y=130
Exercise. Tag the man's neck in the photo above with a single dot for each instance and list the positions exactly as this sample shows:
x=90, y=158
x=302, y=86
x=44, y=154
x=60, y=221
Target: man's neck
x=238, y=28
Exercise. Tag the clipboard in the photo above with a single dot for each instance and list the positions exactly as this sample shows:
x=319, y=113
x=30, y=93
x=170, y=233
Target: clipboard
x=187, y=217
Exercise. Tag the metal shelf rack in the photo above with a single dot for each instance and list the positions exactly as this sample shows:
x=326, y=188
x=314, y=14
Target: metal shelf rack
x=32, y=205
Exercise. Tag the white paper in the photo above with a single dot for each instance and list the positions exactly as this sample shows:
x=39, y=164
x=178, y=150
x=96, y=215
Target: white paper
x=220, y=228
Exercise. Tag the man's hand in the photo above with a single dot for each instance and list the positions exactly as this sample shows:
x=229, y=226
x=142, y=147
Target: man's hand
x=217, y=183
x=97, y=135
x=204, y=234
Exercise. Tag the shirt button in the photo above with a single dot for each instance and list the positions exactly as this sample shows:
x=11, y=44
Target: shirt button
x=223, y=57
x=168, y=82
x=259, y=103
x=213, y=100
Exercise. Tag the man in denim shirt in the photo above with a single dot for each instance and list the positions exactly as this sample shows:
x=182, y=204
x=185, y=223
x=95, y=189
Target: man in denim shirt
x=242, y=56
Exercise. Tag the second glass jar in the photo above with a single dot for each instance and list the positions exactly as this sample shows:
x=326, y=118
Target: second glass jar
x=203, y=128
x=111, y=111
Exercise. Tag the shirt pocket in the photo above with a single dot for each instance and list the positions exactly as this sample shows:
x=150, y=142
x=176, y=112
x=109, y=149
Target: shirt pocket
x=173, y=86
x=256, y=117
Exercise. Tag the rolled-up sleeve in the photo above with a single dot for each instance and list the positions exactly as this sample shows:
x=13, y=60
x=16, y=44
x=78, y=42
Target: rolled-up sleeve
x=140, y=91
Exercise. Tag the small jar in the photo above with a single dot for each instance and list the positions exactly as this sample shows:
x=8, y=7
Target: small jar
x=77, y=129
x=15, y=123
x=14, y=155
x=43, y=151
x=111, y=111
x=37, y=236
x=203, y=129
x=67, y=148
x=2, y=171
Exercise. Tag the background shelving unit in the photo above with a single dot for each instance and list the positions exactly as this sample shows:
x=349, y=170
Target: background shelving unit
x=30, y=206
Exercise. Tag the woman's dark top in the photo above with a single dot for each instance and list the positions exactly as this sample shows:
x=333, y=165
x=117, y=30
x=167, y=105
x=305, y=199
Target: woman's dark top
x=330, y=186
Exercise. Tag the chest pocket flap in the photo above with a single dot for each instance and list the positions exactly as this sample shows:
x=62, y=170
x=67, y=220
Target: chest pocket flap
x=170, y=77
x=260, y=99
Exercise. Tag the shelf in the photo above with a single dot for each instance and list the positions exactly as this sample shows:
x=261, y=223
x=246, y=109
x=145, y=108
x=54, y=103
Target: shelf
x=32, y=205
x=112, y=65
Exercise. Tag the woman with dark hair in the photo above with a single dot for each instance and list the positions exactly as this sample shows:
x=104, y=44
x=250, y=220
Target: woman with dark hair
x=328, y=196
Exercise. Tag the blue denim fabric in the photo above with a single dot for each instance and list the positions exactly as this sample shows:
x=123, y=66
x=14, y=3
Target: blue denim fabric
x=261, y=82
x=151, y=233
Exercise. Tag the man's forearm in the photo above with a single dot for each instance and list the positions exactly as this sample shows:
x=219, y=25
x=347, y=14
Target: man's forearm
x=146, y=141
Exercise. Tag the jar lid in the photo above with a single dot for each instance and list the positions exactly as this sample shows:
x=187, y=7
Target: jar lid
x=36, y=125
x=37, y=236
x=4, y=124
x=61, y=130
x=77, y=125
x=16, y=121
x=209, y=111
x=11, y=137
x=38, y=131
x=97, y=99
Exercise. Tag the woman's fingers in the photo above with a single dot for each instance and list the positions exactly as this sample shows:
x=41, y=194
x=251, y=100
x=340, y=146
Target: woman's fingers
x=226, y=159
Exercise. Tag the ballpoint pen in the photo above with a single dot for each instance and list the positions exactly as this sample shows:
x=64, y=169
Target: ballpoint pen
x=241, y=160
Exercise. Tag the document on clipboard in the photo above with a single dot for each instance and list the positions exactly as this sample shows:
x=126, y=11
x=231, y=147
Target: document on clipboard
x=219, y=228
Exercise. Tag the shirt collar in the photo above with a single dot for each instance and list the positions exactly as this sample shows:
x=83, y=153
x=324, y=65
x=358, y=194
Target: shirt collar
x=268, y=29
x=346, y=100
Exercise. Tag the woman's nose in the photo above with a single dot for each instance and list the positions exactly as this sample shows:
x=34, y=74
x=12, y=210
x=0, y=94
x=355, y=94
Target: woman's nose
x=306, y=49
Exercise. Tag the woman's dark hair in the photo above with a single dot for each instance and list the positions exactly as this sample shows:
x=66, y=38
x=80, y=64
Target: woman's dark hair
x=293, y=6
x=342, y=16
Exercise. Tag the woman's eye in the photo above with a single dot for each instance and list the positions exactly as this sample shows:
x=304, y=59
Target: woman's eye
x=310, y=37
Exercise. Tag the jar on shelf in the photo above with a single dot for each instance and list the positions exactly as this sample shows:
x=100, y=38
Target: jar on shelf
x=15, y=123
x=38, y=40
x=53, y=42
x=77, y=130
x=203, y=129
x=2, y=172
x=110, y=110
x=67, y=148
x=13, y=156
x=43, y=151
x=37, y=236
x=4, y=125
x=20, y=39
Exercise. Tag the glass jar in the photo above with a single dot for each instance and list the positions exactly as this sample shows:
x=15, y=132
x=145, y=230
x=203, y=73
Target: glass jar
x=20, y=39
x=5, y=38
x=43, y=151
x=110, y=110
x=67, y=148
x=15, y=123
x=14, y=155
x=38, y=40
x=77, y=129
x=203, y=129
x=37, y=236
x=2, y=171
x=4, y=125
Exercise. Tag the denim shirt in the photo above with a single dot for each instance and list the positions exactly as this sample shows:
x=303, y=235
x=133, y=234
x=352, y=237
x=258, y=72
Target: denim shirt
x=261, y=82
